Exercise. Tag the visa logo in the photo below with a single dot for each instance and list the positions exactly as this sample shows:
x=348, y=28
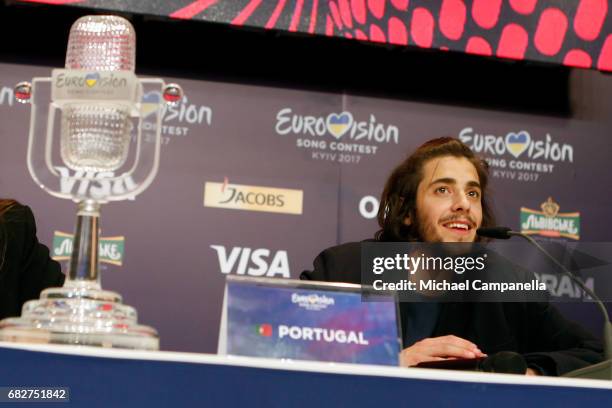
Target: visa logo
x=252, y=262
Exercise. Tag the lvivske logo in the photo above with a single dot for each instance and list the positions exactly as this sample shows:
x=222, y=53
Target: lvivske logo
x=253, y=198
x=252, y=262
x=111, y=248
x=337, y=136
x=549, y=222
x=517, y=155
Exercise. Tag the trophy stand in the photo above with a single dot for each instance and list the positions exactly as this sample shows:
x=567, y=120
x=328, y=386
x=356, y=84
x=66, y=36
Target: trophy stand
x=81, y=312
x=98, y=131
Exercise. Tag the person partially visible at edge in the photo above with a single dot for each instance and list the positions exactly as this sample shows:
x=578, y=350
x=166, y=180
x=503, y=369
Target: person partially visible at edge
x=439, y=194
x=25, y=266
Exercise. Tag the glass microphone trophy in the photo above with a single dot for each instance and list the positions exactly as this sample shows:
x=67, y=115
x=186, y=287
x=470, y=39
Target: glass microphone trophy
x=94, y=125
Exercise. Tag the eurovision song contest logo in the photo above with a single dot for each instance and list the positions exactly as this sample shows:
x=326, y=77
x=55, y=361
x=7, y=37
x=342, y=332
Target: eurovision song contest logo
x=518, y=155
x=336, y=136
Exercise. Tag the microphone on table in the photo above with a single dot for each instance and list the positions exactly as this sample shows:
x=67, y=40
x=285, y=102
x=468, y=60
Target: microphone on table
x=507, y=362
x=601, y=370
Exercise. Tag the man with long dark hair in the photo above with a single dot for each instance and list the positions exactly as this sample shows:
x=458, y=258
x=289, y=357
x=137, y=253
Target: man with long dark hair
x=25, y=266
x=436, y=163
x=439, y=194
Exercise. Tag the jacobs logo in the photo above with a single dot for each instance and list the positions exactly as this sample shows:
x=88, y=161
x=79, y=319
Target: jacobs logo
x=550, y=222
x=111, y=248
x=253, y=198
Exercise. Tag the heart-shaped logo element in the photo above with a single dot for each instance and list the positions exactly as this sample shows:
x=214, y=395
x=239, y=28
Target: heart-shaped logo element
x=338, y=124
x=91, y=79
x=150, y=103
x=517, y=143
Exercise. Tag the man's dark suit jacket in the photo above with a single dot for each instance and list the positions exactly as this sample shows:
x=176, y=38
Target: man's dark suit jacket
x=548, y=341
x=27, y=268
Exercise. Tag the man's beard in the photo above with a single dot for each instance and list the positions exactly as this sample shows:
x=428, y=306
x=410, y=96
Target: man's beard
x=427, y=232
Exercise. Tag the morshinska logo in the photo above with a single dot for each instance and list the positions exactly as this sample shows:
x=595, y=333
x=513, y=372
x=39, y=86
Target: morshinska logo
x=312, y=301
x=111, y=248
x=550, y=222
x=253, y=198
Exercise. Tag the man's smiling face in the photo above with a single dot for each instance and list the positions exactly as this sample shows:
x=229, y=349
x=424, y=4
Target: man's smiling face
x=448, y=206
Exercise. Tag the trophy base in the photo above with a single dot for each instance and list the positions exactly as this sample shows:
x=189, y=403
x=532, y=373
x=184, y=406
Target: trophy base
x=79, y=315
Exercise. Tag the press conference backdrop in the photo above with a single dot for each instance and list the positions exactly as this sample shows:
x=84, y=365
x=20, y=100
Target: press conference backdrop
x=258, y=180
